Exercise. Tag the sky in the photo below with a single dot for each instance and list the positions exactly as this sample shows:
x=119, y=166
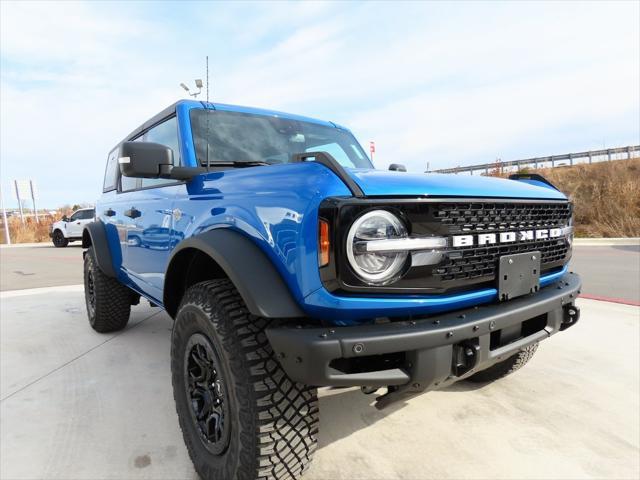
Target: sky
x=432, y=83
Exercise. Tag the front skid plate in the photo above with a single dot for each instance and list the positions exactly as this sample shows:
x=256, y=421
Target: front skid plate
x=305, y=353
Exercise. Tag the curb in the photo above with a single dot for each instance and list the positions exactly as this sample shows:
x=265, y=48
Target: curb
x=41, y=290
x=30, y=245
x=606, y=242
x=600, y=298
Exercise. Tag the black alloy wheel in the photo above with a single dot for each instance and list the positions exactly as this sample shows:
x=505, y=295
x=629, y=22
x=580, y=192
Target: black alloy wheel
x=59, y=240
x=91, y=297
x=205, y=389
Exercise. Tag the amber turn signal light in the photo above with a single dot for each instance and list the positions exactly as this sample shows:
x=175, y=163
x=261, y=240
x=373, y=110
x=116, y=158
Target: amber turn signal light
x=324, y=243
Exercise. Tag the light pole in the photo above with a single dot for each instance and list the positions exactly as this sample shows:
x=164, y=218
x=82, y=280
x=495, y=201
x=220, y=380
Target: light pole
x=7, y=235
x=198, y=83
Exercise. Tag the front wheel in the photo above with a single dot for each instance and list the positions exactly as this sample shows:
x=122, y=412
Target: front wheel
x=240, y=415
x=59, y=240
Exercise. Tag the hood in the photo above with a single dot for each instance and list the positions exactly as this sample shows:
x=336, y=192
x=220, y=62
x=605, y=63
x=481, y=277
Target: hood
x=382, y=183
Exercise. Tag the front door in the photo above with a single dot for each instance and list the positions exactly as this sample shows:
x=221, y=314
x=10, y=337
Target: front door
x=149, y=218
x=149, y=223
x=77, y=222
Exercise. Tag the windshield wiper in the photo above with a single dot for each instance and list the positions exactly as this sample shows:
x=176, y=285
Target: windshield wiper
x=238, y=164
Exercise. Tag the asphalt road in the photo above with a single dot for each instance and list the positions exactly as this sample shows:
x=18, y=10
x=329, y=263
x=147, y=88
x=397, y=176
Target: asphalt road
x=42, y=266
x=79, y=405
x=609, y=271
x=606, y=271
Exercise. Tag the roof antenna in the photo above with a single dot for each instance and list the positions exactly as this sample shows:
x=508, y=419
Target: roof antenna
x=207, y=113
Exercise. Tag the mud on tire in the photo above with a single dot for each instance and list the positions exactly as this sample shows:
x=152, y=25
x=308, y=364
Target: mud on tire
x=506, y=367
x=271, y=422
x=108, y=301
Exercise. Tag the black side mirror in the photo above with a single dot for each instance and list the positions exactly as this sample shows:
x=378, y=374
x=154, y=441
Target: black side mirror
x=397, y=167
x=152, y=160
x=145, y=159
x=65, y=218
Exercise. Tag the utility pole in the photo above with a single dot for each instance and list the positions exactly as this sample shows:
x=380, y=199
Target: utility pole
x=19, y=201
x=7, y=235
x=33, y=199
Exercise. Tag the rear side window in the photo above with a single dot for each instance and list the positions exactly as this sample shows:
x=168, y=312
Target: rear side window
x=111, y=172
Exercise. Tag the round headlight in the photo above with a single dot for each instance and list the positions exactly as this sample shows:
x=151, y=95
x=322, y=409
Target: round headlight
x=376, y=268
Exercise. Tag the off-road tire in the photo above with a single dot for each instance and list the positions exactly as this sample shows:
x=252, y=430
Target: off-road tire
x=59, y=240
x=505, y=367
x=273, y=421
x=111, y=299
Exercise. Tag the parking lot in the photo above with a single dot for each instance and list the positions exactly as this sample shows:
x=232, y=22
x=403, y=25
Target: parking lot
x=79, y=405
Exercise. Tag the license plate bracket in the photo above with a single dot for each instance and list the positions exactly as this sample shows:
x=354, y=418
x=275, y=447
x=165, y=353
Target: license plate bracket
x=518, y=274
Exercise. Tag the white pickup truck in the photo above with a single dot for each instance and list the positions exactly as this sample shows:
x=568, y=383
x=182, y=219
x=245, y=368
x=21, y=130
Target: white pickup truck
x=70, y=229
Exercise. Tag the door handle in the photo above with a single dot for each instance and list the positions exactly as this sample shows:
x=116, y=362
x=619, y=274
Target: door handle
x=133, y=212
x=110, y=212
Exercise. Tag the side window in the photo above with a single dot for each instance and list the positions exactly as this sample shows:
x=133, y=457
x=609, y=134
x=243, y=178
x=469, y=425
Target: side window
x=128, y=183
x=86, y=214
x=165, y=133
x=75, y=216
x=111, y=172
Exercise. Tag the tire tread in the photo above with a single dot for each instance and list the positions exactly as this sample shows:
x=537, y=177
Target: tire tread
x=285, y=413
x=113, y=299
x=506, y=367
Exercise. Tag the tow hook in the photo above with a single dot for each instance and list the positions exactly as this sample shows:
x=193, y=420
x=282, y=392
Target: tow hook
x=465, y=358
x=571, y=316
x=369, y=390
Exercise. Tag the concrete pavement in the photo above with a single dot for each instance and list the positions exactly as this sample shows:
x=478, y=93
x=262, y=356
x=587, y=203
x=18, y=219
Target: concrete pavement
x=79, y=405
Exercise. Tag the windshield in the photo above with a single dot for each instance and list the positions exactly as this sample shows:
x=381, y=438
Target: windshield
x=245, y=137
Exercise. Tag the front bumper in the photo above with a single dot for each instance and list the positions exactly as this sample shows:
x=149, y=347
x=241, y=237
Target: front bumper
x=428, y=353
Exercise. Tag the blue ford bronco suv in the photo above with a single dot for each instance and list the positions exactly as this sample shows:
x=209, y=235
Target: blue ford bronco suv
x=288, y=263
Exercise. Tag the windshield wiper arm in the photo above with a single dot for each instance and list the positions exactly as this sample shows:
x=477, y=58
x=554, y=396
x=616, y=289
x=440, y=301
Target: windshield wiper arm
x=239, y=164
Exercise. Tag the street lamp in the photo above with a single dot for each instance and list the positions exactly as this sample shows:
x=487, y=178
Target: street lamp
x=198, y=83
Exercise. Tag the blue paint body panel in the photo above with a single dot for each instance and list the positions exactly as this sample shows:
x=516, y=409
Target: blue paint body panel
x=348, y=310
x=379, y=183
x=277, y=208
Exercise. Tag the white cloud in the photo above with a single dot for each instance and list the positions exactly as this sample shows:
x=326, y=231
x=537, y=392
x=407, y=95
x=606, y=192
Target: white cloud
x=445, y=83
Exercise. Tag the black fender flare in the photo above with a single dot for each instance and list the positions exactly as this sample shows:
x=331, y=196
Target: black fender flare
x=259, y=283
x=94, y=235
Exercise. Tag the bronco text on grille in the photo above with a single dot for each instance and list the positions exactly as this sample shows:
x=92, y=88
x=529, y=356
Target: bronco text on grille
x=489, y=230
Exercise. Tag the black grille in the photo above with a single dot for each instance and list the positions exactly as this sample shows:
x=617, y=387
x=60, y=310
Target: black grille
x=487, y=217
x=483, y=261
x=460, y=269
x=476, y=262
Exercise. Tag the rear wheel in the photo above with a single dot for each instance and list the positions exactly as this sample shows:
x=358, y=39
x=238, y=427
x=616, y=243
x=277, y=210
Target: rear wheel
x=240, y=415
x=506, y=367
x=108, y=301
x=59, y=239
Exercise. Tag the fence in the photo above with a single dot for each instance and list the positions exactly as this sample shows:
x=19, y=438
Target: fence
x=553, y=161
